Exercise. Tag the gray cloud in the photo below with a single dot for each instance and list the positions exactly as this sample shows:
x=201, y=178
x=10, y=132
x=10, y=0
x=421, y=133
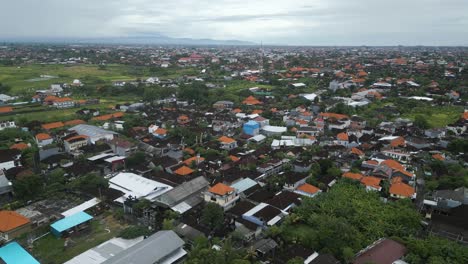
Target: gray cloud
x=319, y=22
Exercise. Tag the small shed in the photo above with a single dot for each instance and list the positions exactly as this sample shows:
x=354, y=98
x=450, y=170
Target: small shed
x=70, y=223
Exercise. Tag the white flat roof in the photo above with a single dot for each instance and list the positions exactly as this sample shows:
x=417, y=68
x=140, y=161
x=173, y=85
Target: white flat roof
x=276, y=129
x=310, y=96
x=257, y=138
x=421, y=98
x=116, y=158
x=81, y=207
x=100, y=156
x=256, y=209
x=136, y=185
x=388, y=138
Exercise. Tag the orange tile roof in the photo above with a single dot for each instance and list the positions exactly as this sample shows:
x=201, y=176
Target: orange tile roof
x=362, y=73
x=19, y=146
x=226, y=140
x=189, y=161
x=221, y=189
x=342, y=136
x=357, y=151
x=237, y=110
x=353, y=176
x=184, y=170
x=257, y=111
x=74, y=122
x=234, y=158
x=251, y=101
x=394, y=165
x=333, y=115
x=308, y=188
x=53, y=125
x=189, y=151
x=63, y=99
x=10, y=220
x=438, y=157
x=465, y=115
x=43, y=136
x=398, y=142
x=161, y=131
x=6, y=109
x=402, y=189
x=50, y=98
x=371, y=181
x=109, y=116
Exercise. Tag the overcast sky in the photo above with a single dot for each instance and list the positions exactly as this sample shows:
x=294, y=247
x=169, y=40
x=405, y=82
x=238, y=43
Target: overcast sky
x=293, y=22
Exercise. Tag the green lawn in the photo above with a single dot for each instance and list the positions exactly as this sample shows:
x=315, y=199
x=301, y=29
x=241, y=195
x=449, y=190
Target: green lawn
x=436, y=116
x=50, y=249
x=49, y=114
x=19, y=78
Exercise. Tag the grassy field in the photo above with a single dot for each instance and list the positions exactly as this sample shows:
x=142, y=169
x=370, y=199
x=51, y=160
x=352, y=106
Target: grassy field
x=49, y=114
x=50, y=249
x=26, y=79
x=436, y=116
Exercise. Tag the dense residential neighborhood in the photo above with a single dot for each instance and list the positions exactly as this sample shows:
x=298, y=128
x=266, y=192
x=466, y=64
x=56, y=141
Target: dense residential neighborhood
x=254, y=154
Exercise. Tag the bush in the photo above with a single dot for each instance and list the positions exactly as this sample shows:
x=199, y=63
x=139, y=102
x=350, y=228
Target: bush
x=134, y=232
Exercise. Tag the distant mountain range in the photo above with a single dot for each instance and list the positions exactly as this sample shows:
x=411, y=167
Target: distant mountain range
x=146, y=39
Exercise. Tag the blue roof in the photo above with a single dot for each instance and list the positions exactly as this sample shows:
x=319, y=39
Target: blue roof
x=251, y=123
x=71, y=221
x=13, y=253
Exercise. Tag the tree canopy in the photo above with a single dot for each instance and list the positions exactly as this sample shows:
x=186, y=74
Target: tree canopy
x=348, y=218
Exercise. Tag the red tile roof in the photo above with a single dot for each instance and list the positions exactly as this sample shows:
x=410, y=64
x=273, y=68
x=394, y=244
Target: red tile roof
x=308, y=188
x=226, y=140
x=394, y=165
x=74, y=122
x=333, y=115
x=342, y=136
x=371, y=181
x=251, y=101
x=221, y=189
x=184, y=170
x=402, y=189
x=19, y=146
x=53, y=125
x=438, y=157
x=357, y=151
x=10, y=220
x=6, y=109
x=353, y=176
x=43, y=136
x=189, y=161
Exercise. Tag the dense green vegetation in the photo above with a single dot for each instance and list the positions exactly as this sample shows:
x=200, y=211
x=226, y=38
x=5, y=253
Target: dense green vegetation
x=347, y=219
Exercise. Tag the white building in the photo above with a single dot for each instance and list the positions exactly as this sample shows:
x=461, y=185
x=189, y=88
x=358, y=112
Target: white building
x=93, y=132
x=7, y=124
x=137, y=186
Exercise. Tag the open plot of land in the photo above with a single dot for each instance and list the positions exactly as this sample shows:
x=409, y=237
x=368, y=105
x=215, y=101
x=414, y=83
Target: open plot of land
x=27, y=79
x=51, y=249
x=49, y=114
x=436, y=116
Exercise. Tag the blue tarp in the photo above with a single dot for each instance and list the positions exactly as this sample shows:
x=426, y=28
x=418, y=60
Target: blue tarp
x=13, y=253
x=69, y=222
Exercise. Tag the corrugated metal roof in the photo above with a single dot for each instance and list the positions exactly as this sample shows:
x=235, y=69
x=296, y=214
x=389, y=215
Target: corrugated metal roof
x=71, y=221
